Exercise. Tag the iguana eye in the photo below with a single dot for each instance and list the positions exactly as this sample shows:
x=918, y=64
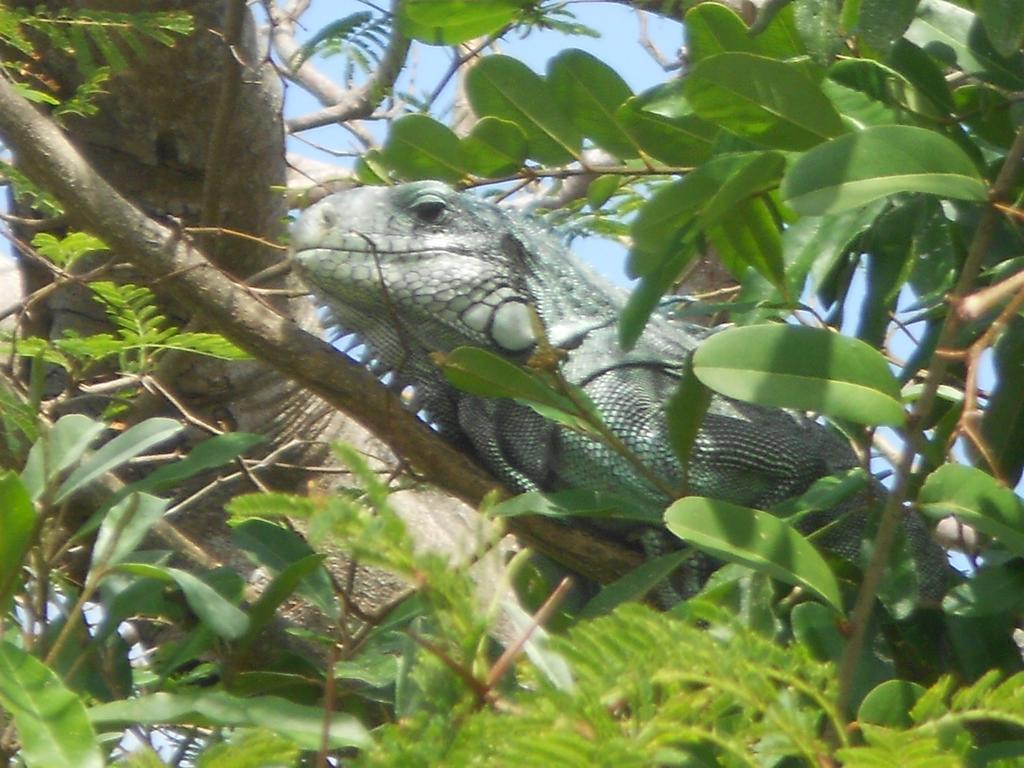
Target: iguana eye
x=430, y=210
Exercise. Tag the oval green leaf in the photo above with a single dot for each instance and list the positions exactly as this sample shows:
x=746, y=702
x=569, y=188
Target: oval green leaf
x=756, y=539
x=500, y=86
x=17, y=521
x=802, y=368
x=976, y=499
x=483, y=373
x=419, y=147
x=52, y=723
x=890, y=703
x=493, y=147
x=449, y=22
x=592, y=92
x=857, y=168
x=769, y=102
x=712, y=29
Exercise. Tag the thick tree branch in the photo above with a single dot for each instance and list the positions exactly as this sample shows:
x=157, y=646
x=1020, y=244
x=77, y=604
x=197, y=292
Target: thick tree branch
x=180, y=271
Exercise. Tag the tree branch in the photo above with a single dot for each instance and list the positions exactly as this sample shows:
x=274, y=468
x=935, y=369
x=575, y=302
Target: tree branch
x=354, y=103
x=180, y=271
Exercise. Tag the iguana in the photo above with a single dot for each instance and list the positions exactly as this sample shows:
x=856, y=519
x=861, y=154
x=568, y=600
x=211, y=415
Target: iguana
x=419, y=268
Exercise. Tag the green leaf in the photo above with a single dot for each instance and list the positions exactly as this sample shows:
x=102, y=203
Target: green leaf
x=63, y=445
x=17, y=521
x=635, y=584
x=280, y=589
x=65, y=251
x=302, y=724
x=591, y=92
x=860, y=167
x=52, y=723
x=817, y=22
x=977, y=500
x=647, y=295
x=992, y=591
x=769, y=102
x=707, y=193
x=124, y=528
x=677, y=140
x=280, y=549
x=500, y=86
x=576, y=502
x=449, y=22
x=882, y=22
x=250, y=749
x=884, y=85
x=602, y=189
x=419, y=147
x=1002, y=424
x=1004, y=24
x=220, y=615
x=755, y=539
x=119, y=450
x=890, y=703
x=493, y=147
x=712, y=28
x=684, y=415
x=943, y=28
x=748, y=236
x=480, y=372
x=802, y=368
x=209, y=454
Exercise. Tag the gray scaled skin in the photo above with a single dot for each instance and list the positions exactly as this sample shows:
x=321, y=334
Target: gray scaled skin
x=421, y=268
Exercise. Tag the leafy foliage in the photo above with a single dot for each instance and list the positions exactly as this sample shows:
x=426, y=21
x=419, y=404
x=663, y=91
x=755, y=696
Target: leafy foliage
x=823, y=153
x=97, y=40
x=361, y=37
x=142, y=337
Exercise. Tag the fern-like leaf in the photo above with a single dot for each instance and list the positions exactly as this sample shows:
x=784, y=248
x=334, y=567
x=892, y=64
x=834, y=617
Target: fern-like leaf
x=361, y=36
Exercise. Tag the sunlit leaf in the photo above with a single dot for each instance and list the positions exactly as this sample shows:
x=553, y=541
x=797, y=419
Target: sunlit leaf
x=419, y=147
x=63, y=445
x=802, y=368
x=493, y=147
x=977, y=500
x=52, y=723
x=755, y=539
x=769, y=102
x=864, y=166
x=500, y=86
x=591, y=92
x=17, y=521
x=302, y=724
x=448, y=22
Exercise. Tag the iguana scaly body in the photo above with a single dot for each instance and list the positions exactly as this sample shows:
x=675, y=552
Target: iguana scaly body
x=419, y=268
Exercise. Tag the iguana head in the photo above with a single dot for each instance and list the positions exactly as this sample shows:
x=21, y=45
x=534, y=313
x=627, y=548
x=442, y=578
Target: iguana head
x=422, y=268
